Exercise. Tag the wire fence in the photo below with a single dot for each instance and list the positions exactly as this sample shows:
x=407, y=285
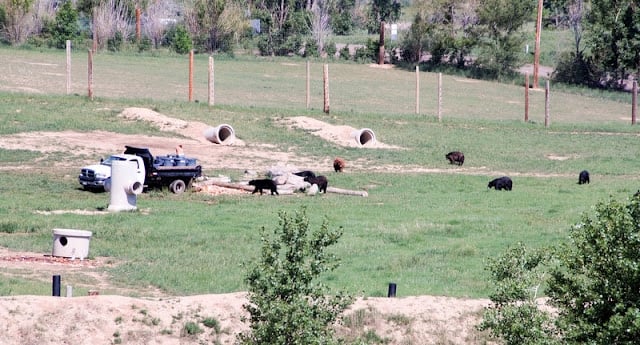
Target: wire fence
x=279, y=83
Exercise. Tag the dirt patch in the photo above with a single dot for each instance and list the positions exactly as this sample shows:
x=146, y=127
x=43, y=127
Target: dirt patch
x=339, y=135
x=161, y=319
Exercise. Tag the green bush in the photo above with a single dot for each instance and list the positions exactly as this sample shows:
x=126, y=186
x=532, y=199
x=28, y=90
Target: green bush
x=115, y=43
x=65, y=26
x=593, y=284
x=181, y=42
x=288, y=306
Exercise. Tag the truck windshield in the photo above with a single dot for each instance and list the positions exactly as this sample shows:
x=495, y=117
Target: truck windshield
x=111, y=159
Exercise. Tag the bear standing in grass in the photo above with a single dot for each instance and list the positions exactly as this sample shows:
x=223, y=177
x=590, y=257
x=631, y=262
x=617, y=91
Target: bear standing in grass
x=264, y=184
x=321, y=181
x=583, y=177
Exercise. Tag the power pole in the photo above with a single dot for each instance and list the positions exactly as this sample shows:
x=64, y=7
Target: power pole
x=536, y=54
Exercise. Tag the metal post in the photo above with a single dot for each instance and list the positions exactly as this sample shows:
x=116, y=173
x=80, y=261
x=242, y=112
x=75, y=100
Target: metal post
x=392, y=290
x=56, y=286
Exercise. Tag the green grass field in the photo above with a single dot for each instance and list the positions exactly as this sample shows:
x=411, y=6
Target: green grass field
x=428, y=232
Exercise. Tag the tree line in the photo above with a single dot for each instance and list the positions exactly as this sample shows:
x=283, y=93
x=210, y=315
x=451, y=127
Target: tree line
x=484, y=36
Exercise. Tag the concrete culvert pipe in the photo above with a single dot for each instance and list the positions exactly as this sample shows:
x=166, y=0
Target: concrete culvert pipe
x=223, y=134
x=364, y=136
x=135, y=188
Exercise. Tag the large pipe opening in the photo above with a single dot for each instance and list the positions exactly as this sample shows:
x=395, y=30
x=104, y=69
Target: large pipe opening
x=134, y=188
x=364, y=136
x=223, y=134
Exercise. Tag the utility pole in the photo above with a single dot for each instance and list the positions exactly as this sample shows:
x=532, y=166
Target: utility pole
x=536, y=54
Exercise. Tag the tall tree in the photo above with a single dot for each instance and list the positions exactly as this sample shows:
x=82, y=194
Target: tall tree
x=382, y=11
x=444, y=29
x=16, y=16
x=499, y=33
x=613, y=39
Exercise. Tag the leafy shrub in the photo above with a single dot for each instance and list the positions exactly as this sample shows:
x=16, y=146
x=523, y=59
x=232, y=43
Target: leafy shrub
x=330, y=49
x=181, y=42
x=190, y=329
x=287, y=304
x=593, y=284
x=513, y=315
x=114, y=44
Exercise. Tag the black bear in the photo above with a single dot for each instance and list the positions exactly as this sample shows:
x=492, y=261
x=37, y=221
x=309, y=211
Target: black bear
x=305, y=173
x=583, y=177
x=500, y=183
x=455, y=157
x=321, y=181
x=264, y=184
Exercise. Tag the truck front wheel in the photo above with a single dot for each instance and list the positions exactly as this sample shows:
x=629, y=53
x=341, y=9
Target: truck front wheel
x=177, y=186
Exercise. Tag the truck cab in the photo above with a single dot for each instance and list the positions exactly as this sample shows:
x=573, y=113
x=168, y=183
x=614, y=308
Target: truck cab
x=93, y=177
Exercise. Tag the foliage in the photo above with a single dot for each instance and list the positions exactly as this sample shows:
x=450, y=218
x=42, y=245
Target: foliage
x=444, y=29
x=514, y=316
x=115, y=43
x=498, y=33
x=341, y=17
x=65, y=26
x=283, y=26
x=15, y=20
x=215, y=24
x=181, y=42
x=595, y=285
x=573, y=69
x=287, y=303
x=382, y=11
x=613, y=39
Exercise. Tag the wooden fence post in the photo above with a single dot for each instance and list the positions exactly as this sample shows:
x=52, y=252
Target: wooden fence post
x=211, y=82
x=138, y=30
x=634, y=102
x=308, y=90
x=547, y=96
x=68, y=48
x=417, y=90
x=90, y=74
x=326, y=88
x=526, y=97
x=190, y=75
x=439, y=97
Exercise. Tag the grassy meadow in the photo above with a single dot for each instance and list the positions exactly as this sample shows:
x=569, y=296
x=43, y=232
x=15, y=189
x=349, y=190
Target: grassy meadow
x=425, y=226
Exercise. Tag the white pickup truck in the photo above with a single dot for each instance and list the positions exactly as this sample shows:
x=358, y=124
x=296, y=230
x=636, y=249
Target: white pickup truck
x=93, y=177
x=175, y=172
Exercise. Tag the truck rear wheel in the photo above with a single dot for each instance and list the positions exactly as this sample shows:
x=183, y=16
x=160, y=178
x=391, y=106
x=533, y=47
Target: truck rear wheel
x=177, y=186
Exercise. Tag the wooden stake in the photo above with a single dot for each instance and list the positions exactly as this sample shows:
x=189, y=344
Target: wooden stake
x=308, y=90
x=547, y=96
x=526, y=97
x=68, y=67
x=138, y=34
x=90, y=74
x=439, y=97
x=211, y=82
x=417, y=90
x=381, y=49
x=191, y=75
x=326, y=88
x=634, y=102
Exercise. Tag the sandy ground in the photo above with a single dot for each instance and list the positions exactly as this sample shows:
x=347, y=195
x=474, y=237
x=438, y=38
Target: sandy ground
x=156, y=318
